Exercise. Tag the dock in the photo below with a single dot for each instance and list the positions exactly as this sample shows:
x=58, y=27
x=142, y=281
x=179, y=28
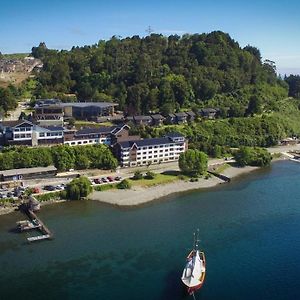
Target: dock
x=39, y=238
x=34, y=223
x=42, y=227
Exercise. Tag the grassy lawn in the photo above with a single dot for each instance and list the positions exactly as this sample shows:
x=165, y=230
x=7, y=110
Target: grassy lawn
x=159, y=179
x=222, y=168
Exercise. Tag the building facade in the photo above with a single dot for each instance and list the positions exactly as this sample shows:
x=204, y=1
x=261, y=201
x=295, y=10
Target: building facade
x=150, y=151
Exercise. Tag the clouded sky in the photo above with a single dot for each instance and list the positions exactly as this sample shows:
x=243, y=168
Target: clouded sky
x=272, y=26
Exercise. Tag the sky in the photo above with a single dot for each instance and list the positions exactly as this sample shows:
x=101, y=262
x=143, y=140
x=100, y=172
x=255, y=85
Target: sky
x=273, y=26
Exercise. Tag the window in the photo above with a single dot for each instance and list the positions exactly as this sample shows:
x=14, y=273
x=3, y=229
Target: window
x=28, y=135
x=155, y=155
x=79, y=143
x=48, y=133
x=17, y=136
x=149, y=157
x=22, y=135
x=85, y=142
x=144, y=157
x=73, y=143
x=42, y=134
x=155, y=151
x=150, y=152
x=17, y=130
x=161, y=151
x=150, y=147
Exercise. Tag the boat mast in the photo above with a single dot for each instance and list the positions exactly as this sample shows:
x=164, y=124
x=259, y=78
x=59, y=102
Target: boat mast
x=197, y=240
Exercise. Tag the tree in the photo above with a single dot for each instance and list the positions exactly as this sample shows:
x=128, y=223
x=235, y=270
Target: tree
x=193, y=162
x=124, y=185
x=254, y=106
x=252, y=156
x=79, y=188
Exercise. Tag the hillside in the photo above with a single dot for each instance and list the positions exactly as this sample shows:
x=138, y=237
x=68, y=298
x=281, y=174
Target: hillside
x=158, y=73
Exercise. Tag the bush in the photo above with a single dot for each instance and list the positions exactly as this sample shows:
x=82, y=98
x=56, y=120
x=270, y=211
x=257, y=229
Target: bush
x=124, y=185
x=52, y=196
x=100, y=188
x=137, y=175
x=259, y=157
x=150, y=175
x=79, y=188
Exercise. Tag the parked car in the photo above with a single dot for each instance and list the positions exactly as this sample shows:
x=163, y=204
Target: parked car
x=36, y=190
x=60, y=187
x=97, y=180
x=118, y=178
x=49, y=188
x=104, y=179
x=9, y=195
x=110, y=179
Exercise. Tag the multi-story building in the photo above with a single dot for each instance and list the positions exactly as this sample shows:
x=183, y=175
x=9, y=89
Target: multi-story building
x=23, y=132
x=77, y=110
x=49, y=115
x=150, y=151
x=99, y=135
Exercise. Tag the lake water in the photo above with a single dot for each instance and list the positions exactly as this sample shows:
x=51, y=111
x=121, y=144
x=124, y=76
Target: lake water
x=249, y=230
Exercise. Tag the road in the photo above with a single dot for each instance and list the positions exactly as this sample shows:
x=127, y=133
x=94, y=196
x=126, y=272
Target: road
x=15, y=114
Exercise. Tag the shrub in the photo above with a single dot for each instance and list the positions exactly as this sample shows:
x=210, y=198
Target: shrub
x=137, y=175
x=124, y=185
x=150, y=175
x=105, y=187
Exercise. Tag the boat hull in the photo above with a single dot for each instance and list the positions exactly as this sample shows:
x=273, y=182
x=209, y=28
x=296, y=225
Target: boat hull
x=191, y=289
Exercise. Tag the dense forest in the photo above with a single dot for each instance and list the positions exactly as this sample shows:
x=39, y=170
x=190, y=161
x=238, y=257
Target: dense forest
x=158, y=73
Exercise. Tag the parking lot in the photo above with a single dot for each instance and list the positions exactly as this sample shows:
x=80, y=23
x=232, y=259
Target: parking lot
x=52, y=185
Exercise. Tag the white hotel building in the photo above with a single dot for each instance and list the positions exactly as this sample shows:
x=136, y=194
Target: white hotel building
x=151, y=151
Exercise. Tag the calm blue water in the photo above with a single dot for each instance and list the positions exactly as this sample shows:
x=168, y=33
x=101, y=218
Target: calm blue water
x=250, y=232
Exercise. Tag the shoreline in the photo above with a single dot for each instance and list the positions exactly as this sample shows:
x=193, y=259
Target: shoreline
x=138, y=196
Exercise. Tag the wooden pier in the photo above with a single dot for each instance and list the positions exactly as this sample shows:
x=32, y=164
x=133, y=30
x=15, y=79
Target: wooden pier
x=39, y=238
x=43, y=228
x=34, y=223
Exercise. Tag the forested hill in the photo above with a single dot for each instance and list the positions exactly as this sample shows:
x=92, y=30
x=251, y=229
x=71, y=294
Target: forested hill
x=158, y=73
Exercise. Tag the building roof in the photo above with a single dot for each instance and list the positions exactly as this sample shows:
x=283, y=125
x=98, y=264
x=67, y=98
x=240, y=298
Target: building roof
x=14, y=123
x=208, y=110
x=181, y=114
x=53, y=128
x=174, y=134
x=96, y=130
x=88, y=104
x=142, y=118
x=157, y=117
x=191, y=113
x=24, y=171
x=152, y=141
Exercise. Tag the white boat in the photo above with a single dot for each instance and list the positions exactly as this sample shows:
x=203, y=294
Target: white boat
x=194, y=272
